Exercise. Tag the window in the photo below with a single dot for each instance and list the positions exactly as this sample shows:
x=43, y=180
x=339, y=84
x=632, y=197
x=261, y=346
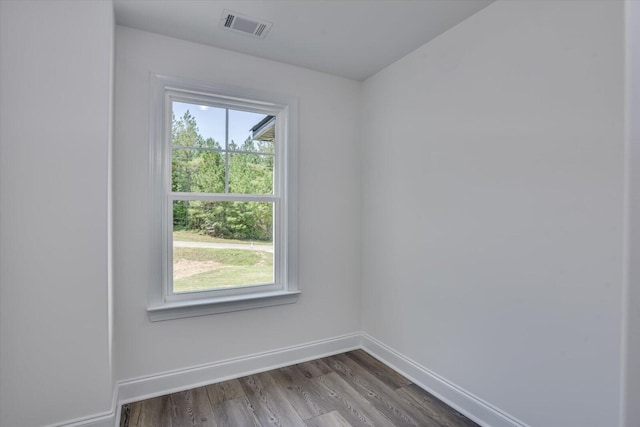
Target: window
x=223, y=179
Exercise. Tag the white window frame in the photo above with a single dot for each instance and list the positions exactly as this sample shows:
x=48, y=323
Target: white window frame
x=163, y=303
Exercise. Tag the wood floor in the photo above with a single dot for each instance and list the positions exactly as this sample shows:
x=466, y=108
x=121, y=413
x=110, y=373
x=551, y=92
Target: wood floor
x=350, y=389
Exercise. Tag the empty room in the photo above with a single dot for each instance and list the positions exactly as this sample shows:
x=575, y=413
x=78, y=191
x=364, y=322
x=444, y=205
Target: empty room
x=319, y=213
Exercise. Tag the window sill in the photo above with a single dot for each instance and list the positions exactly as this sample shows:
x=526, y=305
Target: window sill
x=203, y=307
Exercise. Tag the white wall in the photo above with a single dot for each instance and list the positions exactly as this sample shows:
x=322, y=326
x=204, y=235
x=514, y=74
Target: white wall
x=631, y=367
x=492, y=208
x=55, y=82
x=328, y=210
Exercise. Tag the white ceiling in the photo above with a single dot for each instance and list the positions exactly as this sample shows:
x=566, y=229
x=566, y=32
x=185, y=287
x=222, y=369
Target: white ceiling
x=349, y=38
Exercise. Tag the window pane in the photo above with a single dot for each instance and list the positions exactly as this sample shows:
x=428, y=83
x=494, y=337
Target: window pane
x=241, y=132
x=250, y=173
x=220, y=245
x=197, y=171
x=195, y=125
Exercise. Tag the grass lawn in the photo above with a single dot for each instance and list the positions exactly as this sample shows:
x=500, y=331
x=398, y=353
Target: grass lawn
x=208, y=268
x=194, y=236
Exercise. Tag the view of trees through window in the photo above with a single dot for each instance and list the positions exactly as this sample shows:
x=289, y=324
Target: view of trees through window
x=220, y=243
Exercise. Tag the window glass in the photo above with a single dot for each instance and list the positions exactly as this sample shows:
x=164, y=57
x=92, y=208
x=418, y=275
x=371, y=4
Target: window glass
x=250, y=173
x=194, y=125
x=220, y=245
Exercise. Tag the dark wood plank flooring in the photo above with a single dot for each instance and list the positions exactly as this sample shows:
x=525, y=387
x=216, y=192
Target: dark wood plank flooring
x=347, y=390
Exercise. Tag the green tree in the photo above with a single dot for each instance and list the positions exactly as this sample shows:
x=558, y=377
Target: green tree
x=185, y=132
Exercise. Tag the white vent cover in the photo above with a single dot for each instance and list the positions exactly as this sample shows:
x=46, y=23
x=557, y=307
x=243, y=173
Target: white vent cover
x=244, y=24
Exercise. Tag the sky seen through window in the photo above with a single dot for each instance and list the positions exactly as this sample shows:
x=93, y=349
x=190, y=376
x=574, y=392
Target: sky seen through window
x=211, y=121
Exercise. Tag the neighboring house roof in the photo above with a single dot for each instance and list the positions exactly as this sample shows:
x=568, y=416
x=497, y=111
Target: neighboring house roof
x=265, y=129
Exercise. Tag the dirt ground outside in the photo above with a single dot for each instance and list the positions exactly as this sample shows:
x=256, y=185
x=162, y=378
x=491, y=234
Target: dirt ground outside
x=184, y=268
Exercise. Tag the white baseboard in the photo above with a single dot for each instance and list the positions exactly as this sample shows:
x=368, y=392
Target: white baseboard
x=183, y=379
x=106, y=419
x=461, y=400
x=170, y=382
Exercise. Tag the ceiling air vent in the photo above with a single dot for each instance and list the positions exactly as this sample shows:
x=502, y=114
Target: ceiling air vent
x=243, y=24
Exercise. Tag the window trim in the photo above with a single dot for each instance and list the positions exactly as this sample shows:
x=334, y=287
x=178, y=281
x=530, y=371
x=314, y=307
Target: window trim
x=162, y=307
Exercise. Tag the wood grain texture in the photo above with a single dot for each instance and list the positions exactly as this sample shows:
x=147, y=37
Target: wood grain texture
x=330, y=419
x=314, y=368
x=433, y=408
x=302, y=393
x=192, y=408
x=270, y=405
x=346, y=390
x=381, y=397
x=235, y=412
x=351, y=404
x=384, y=373
x=151, y=412
x=227, y=390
